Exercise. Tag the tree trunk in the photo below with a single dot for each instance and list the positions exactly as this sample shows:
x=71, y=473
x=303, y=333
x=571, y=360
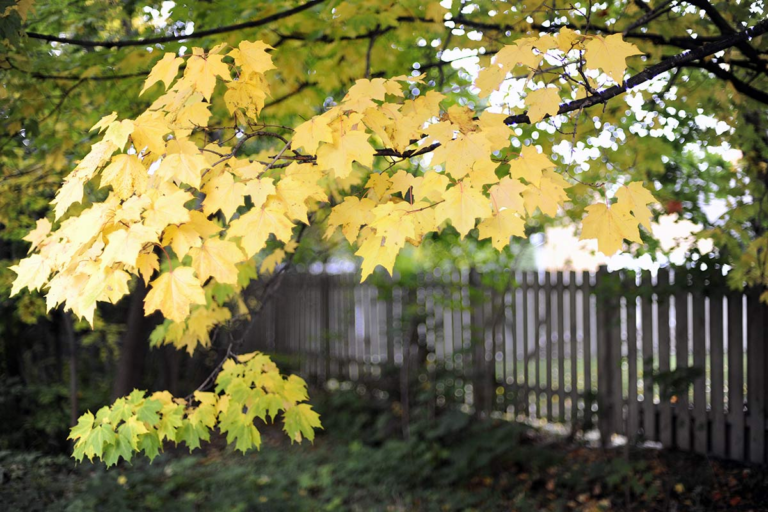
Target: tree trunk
x=69, y=333
x=135, y=344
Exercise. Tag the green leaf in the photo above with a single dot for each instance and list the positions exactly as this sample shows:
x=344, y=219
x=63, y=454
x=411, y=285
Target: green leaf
x=300, y=421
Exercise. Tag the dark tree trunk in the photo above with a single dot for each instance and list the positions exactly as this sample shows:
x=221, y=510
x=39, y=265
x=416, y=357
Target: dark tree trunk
x=134, y=345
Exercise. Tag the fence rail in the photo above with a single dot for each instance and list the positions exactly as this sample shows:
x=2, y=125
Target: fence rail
x=673, y=358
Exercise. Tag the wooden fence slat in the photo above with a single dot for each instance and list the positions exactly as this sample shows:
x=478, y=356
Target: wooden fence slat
x=717, y=365
x=700, y=444
x=663, y=305
x=586, y=300
x=537, y=324
x=525, y=340
x=560, y=291
x=548, y=343
x=633, y=406
x=683, y=420
x=646, y=310
x=735, y=377
x=756, y=373
x=574, y=349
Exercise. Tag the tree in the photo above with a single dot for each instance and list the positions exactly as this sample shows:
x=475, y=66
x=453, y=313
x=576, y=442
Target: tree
x=200, y=190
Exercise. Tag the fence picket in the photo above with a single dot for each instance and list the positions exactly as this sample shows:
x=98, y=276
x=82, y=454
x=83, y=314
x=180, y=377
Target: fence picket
x=646, y=311
x=700, y=363
x=663, y=305
x=735, y=377
x=682, y=415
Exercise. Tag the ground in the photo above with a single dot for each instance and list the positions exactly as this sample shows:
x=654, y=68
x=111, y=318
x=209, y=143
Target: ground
x=361, y=463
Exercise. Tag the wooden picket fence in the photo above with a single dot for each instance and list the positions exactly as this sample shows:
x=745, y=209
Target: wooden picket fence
x=673, y=358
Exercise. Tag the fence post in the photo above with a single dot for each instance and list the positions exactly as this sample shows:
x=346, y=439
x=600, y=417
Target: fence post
x=607, y=316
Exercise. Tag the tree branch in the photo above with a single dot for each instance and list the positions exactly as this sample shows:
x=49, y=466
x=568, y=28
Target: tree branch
x=677, y=61
x=170, y=39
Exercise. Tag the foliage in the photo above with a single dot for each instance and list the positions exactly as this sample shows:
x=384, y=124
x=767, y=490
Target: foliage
x=195, y=193
x=247, y=387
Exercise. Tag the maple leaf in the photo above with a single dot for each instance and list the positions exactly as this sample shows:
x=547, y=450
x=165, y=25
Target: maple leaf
x=500, y=227
x=173, y=293
x=519, y=53
x=347, y=148
x=375, y=251
x=202, y=70
x=254, y=56
x=350, y=215
x=217, y=258
x=126, y=175
x=610, y=226
x=223, y=193
x=489, y=79
x=542, y=103
x=40, y=233
x=301, y=420
x=31, y=272
x=529, y=165
x=254, y=228
x=118, y=133
x=164, y=70
x=461, y=153
x=506, y=194
x=189, y=234
x=636, y=197
x=462, y=205
x=610, y=54
x=311, y=133
x=168, y=209
x=548, y=195
x=184, y=163
x=125, y=245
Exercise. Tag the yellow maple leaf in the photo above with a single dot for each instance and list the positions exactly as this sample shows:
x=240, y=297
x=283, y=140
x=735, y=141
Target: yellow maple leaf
x=346, y=148
x=375, y=251
x=350, y=215
x=202, y=70
x=40, y=233
x=610, y=54
x=217, y=258
x=500, y=227
x=529, y=165
x=254, y=227
x=507, y=194
x=31, y=272
x=168, y=209
x=254, y=55
x=190, y=234
x=173, y=293
x=636, y=197
x=125, y=245
x=310, y=134
x=610, y=226
x=126, y=174
x=164, y=70
x=489, y=79
x=260, y=190
x=225, y=194
x=548, y=195
x=462, y=205
x=542, y=103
